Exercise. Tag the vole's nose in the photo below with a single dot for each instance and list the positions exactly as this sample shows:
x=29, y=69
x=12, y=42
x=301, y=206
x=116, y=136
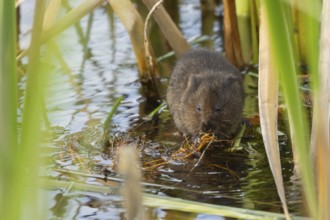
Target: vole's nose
x=207, y=127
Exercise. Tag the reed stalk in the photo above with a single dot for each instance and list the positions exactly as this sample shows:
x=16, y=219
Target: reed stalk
x=268, y=91
x=285, y=62
x=243, y=14
x=134, y=26
x=254, y=14
x=107, y=122
x=208, y=19
x=231, y=34
x=31, y=123
x=9, y=175
x=66, y=21
x=171, y=32
x=131, y=189
x=320, y=142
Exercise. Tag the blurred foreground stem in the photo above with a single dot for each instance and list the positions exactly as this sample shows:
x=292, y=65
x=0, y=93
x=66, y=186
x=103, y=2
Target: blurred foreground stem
x=8, y=112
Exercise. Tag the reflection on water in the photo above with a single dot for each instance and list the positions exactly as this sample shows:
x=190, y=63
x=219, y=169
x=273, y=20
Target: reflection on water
x=96, y=67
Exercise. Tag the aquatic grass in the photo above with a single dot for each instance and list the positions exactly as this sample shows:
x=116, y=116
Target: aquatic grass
x=171, y=32
x=51, y=14
x=312, y=25
x=321, y=116
x=247, y=12
x=31, y=120
x=131, y=189
x=146, y=30
x=156, y=111
x=320, y=93
x=134, y=25
x=20, y=196
x=255, y=25
x=87, y=38
x=317, y=60
x=285, y=62
x=9, y=168
x=107, y=122
x=268, y=92
x=150, y=80
x=208, y=19
x=243, y=13
x=77, y=25
x=239, y=136
x=72, y=17
x=66, y=21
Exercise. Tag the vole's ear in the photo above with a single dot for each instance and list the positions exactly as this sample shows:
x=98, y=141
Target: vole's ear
x=194, y=82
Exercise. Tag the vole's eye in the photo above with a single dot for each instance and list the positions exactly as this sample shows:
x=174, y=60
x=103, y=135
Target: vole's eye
x=217, y=108
x=198, y=109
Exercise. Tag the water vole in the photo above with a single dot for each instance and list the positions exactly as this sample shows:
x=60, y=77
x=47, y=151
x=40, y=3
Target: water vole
x=205, y=94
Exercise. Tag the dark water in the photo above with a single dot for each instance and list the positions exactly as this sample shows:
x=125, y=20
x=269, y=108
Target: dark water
x=81, y=95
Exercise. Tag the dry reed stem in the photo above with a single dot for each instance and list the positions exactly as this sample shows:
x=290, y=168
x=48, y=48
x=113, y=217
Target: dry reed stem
x=133, y=23
x=171, y=32
x=132, y=187
x=231, y=35
x=149, y=57
x=320, y=140
x=268, y=107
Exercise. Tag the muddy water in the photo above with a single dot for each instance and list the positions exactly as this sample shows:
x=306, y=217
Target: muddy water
x=99, y=67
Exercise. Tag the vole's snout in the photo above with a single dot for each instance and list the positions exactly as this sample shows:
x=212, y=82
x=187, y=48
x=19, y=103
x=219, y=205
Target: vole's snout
x=207, y=127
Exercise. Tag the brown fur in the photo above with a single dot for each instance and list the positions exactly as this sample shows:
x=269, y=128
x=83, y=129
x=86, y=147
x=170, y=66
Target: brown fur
x=205, y=94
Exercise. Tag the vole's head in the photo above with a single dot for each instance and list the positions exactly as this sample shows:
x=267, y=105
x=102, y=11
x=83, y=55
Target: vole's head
x=212, y=103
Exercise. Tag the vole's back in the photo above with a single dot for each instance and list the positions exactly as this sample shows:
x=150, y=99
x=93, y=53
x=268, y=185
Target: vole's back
x=202, y=82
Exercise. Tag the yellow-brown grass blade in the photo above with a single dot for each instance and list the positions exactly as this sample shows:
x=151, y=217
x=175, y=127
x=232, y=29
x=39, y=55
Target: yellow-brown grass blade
x=268, y=103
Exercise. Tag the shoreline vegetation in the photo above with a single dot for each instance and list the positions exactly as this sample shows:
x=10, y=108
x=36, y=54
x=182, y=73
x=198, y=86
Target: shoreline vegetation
x=279, y=36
